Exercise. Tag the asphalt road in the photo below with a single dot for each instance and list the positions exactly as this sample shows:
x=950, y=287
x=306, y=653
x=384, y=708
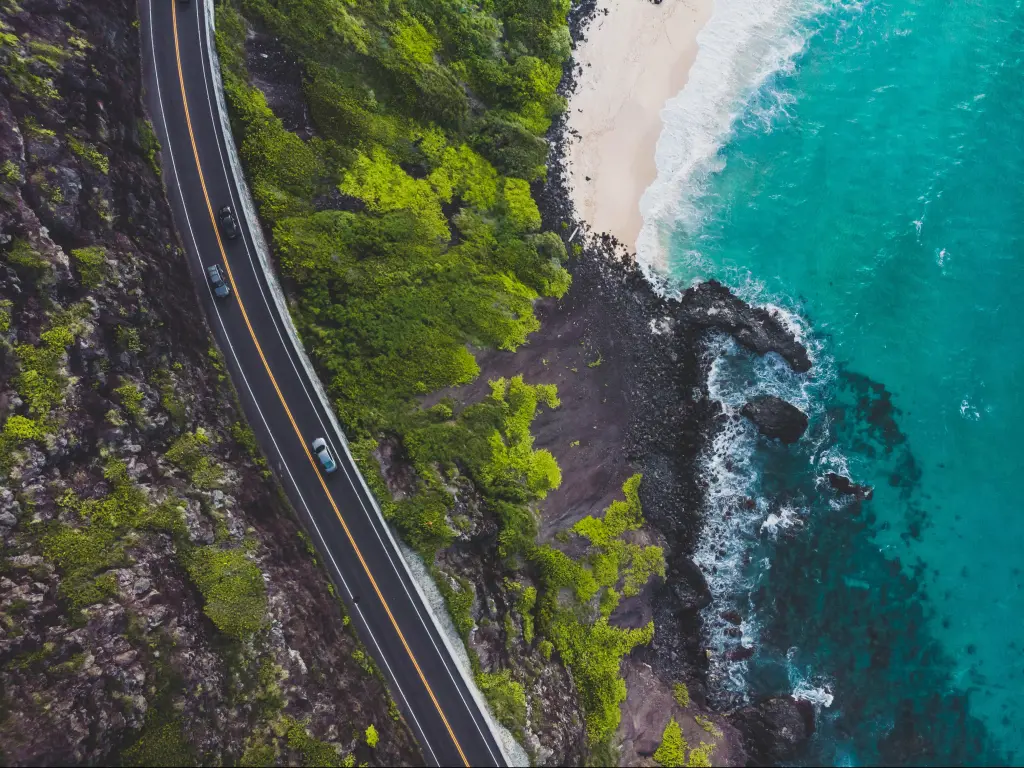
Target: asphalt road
x=281, y=405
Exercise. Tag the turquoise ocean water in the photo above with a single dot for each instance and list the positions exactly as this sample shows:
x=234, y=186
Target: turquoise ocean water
x=860, y=167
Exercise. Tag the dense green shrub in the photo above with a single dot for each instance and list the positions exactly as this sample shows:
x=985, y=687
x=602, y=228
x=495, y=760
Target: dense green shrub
x=235, y=597
x=388, y=300
x=681, y=694
x=161, y=742
x=314, y=752
x=92, y=264
x=592, y=648
x=671, y=753
x=189, y=453
x=506, y=697
x=372, y=737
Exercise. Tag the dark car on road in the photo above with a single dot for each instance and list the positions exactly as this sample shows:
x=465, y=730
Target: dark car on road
x=228, y=223
x=220, y=288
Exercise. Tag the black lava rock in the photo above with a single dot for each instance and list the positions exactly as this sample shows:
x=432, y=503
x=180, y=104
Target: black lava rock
x=689, y=586
x=846, y=487
x=776, y=729
x=775, y=418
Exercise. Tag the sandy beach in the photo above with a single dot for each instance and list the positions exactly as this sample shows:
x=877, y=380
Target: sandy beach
x=637, y=55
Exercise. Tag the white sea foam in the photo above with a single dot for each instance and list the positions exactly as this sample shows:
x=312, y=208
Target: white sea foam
x=819, y=697
x=742, y=46
x=738, y=519
x=786, y=518
x=806, y=687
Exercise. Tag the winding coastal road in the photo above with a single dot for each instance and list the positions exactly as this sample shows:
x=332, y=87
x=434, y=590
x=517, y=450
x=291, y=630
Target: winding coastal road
x=282, y=405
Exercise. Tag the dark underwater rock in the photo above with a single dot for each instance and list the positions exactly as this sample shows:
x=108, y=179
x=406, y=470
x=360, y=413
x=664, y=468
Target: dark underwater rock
x=776, y=729
x=844, y=486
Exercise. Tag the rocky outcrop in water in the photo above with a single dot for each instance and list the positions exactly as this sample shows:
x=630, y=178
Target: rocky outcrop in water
x=712, y=305
x=776, y=729
x=775, y=418
x=844, y=486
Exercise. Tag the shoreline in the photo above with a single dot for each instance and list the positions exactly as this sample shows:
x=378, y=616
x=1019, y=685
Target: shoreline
x=614, y=114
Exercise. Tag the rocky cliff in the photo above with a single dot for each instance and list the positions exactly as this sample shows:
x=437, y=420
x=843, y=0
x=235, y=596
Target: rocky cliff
x=158, y=602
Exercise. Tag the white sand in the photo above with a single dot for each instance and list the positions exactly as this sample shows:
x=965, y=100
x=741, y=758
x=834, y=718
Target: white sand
x=634, y=59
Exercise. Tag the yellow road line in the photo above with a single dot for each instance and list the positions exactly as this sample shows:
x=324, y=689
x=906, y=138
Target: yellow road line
x=266, y=365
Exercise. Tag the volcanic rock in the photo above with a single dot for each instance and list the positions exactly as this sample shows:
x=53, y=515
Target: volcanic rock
x=775, y=418
x=846, y=487
x=775, y=729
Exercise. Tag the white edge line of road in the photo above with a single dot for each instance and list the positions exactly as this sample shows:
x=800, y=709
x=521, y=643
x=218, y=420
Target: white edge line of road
x=238, y=364
x=263, y=253
x=475, y=712
x=376, y=521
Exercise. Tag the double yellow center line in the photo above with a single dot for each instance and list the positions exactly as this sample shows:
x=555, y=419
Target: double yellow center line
x=255, y=341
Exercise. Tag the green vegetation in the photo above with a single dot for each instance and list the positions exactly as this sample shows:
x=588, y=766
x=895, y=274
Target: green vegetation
x=700, y=756
x=708, y=726
x=671, y=753
x=257, y=755
x=506, y=697
x=189, y=453
x=50, y=55
x=22, y=254
x=10, y=172
x=246, y=438
x=131, y=399
x=614, y=556
x=446, y=252
x=491, y=442
x=163, y=380
x=92, y=265
x=372, y=737
x=234, y=594
x=90, y=154
x=161, y=742
x=682, y=695
x=41, y=381
x=85, y=553
x=15, y=61
x=524, y=604
x=128, y=338
x=593, y=649
x=314, y=752
x=149, y=143
x=16, y=431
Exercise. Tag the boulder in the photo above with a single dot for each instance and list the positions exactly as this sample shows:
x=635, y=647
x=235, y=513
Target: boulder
x=775, y=730
x=689, y=585
x=775, y=418
x=844, y=486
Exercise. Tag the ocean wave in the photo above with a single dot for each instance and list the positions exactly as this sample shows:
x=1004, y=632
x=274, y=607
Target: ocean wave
x=808, y=687
x=742, y=525
x=787, y=517
x=742, y=47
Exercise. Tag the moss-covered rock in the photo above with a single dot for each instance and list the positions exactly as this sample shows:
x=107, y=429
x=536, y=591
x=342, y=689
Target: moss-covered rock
x=157, y=605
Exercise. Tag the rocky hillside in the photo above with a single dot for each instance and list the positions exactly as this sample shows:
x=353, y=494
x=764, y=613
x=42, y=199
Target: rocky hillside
x=158, y=602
